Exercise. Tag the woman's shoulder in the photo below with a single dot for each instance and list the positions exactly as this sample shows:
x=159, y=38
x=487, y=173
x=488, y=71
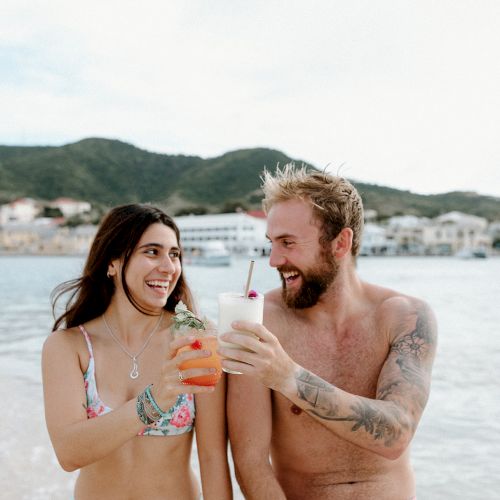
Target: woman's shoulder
x=67, y=339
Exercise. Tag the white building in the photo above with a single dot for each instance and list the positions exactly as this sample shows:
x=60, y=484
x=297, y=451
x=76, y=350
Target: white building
x=20, y=211
x=43, y=236
x=455, y=231
x=407, y=233
x=70, y=207
x=375, y=242
x=240, y=232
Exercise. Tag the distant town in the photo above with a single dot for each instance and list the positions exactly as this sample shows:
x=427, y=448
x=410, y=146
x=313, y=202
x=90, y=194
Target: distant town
x=30, y=227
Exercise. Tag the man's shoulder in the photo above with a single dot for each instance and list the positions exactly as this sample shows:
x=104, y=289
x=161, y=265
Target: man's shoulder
x=273, y=298
x=274, y=307
x=394, y=309
x=388, y=300
x=401, y=302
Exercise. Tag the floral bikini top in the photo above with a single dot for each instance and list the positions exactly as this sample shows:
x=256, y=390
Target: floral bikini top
x=178, y=420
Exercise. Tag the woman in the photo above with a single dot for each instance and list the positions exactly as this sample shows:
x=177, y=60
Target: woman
x=131, y=439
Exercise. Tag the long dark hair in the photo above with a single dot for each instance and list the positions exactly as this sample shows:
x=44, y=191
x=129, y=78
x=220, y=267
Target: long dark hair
x=119, y=233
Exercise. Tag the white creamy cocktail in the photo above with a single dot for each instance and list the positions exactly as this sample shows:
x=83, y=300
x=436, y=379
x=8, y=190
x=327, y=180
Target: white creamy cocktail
x=236, y=307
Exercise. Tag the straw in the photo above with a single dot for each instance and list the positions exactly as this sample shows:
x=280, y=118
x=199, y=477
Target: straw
x=250, y=270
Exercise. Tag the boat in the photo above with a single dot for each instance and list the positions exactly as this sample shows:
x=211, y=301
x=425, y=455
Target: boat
x=472, y=253
x=209, y=253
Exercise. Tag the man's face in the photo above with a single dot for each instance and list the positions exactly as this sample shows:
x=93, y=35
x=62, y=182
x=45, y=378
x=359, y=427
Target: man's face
x=306, y=269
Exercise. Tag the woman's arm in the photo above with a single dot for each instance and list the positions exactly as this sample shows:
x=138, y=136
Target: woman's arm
x=77, y=440
x=211, y=440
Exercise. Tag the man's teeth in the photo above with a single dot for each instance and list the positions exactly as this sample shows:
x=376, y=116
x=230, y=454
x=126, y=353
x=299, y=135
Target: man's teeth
x=163, y=284
x=290, y=274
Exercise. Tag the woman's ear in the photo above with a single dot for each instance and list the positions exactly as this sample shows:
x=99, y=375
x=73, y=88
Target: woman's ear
x=112, y=269
x=342, y=244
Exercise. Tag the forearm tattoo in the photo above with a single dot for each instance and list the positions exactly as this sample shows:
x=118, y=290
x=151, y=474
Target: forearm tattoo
x=321, y=396
x=386, y=423
x=317, y=392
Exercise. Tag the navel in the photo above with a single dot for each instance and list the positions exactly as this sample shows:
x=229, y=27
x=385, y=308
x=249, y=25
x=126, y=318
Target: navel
x=295, y=410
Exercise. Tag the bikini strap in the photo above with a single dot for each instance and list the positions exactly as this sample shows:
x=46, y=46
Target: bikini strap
x=87, y=339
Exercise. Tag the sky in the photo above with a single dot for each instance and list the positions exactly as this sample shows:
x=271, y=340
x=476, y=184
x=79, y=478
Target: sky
x=392, y=92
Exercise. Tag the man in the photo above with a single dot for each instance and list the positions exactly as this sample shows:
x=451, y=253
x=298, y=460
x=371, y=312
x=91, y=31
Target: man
x=329, y=401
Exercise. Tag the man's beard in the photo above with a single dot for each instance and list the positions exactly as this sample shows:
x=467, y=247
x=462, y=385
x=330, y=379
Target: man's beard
x=315, y=282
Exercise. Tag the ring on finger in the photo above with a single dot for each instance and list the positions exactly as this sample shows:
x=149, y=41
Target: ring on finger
x=181, y=376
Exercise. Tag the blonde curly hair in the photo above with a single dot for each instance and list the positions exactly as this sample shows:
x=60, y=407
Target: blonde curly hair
x=335, y=201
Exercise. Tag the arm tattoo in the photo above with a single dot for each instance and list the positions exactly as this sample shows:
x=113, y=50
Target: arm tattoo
x=414, y=345
x=320, y=395
x=386, y=423
x=410, y=350
x=317, y=392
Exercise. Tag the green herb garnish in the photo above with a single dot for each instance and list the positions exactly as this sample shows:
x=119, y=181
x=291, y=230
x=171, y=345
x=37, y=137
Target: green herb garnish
x=185, y=318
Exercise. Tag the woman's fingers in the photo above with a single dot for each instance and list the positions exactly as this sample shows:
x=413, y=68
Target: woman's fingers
x=179, y=342
x=180, y=357
x=195, y=372
x=197, y=389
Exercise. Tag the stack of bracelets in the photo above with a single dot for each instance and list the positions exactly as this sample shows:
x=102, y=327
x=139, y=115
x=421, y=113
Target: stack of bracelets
x=148, y=410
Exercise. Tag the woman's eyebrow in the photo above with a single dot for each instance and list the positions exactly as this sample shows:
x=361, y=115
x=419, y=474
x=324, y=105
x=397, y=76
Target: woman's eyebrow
x=158, y=245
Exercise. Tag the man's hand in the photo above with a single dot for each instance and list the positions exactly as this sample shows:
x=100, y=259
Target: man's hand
x=264, y=358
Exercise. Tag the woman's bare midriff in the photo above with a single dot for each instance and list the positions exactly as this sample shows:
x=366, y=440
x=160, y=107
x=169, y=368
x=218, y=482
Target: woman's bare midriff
x=146, y=467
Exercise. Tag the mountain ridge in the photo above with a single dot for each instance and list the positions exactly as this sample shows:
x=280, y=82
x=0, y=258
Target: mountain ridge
x=108, y=172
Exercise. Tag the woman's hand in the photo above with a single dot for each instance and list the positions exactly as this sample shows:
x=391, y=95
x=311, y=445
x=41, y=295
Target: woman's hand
x=170, y=385
x=266, y=359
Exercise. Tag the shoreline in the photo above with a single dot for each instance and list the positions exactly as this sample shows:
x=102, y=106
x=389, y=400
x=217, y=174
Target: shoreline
x=491, y=254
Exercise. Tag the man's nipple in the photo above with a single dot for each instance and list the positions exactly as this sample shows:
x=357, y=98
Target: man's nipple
x=295, y=410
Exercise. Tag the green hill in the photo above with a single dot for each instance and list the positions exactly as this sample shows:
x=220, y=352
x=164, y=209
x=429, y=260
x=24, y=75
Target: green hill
x=109, y=172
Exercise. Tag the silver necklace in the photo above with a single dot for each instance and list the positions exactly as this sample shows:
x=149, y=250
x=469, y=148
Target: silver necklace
x=134, y=373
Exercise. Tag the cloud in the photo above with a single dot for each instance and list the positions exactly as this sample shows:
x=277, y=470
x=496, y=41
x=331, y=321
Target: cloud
x=404, y=93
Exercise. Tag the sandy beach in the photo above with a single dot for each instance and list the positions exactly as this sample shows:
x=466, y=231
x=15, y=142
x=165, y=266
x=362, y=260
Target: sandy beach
x=29, y=467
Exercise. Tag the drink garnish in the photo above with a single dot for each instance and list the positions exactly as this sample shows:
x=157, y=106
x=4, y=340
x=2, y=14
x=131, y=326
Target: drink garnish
x=196, y=345
x=184, y=318
x=252, y=294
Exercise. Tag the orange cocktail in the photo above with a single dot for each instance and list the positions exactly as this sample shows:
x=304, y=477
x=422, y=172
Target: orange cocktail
x=208, y=343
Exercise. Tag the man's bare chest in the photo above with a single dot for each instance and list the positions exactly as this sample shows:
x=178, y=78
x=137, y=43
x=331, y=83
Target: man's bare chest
x=350, y=359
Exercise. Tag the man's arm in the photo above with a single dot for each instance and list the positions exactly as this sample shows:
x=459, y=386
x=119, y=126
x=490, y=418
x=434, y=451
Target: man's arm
x=384, y=425
x=249, y=415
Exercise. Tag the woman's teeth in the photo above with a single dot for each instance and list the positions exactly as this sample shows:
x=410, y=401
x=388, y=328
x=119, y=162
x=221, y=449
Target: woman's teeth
x=159, y=284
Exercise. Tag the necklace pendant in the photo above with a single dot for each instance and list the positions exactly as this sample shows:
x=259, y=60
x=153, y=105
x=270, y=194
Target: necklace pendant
x=135, y=370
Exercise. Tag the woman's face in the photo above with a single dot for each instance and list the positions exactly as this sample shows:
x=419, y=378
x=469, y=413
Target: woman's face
x=153, y=268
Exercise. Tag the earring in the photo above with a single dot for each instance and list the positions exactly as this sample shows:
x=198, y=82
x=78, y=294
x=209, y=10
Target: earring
x=108, y=275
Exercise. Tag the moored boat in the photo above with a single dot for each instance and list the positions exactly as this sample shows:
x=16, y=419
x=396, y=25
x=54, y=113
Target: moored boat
x=209, y=253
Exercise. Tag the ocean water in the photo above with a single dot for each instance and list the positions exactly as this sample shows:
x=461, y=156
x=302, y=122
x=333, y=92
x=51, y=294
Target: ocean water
x=455, y=452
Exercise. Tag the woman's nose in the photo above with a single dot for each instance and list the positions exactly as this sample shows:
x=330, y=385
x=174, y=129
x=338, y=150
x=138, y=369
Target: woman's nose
x=167, y=265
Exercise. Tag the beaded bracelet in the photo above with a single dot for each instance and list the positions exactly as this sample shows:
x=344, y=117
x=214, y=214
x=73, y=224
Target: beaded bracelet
x=141, y=410
x=154, y=404
x=147, y=409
